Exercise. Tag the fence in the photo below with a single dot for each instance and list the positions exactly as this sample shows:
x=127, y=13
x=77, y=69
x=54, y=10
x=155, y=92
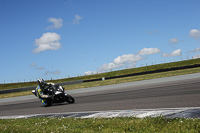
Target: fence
x=107, y=78
x=78, y=75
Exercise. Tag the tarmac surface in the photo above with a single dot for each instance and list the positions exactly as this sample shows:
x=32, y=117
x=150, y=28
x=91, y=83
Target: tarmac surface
x=179, y=95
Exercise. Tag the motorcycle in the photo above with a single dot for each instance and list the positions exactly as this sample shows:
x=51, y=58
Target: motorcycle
x=58, y=95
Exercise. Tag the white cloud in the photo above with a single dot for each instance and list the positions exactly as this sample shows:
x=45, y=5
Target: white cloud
x=195, y=33
x=121, y=61
x=33, y=64
x=48, y=41
x=127, y=58
x=76, y=19
x=57, y=23
x=173, y=41
x=131, y=66
x=52, y=72
x=174, y=53
x=195, y=50
x=196, y=56
x=91, y=72
x=110, y=66
x=148, y=51
x=56, y=72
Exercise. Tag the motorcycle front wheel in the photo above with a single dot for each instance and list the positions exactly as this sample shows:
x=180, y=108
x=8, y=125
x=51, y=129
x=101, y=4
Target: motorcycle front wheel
x=48, y=103
x=69, y=99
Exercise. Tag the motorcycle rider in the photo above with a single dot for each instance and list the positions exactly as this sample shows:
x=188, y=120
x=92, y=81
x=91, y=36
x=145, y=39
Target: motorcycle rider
x=42, y=85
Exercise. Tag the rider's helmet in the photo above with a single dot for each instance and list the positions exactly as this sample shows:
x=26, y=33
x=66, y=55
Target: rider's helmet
x=41, y=82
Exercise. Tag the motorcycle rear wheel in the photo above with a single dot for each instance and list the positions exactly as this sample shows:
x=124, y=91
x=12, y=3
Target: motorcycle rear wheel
x=69, y=99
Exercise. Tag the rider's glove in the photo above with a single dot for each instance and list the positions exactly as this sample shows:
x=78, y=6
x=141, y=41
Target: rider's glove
x=45, y=96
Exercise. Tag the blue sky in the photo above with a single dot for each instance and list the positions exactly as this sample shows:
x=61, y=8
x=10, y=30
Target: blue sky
x=60, y=38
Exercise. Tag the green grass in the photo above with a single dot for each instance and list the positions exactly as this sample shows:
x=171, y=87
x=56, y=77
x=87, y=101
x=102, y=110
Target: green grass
x=113, y=81
x=105, y=125
x=108, y=74
x=132, y=78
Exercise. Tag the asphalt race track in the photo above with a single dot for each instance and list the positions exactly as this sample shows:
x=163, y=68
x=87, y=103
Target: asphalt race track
x=172, y=92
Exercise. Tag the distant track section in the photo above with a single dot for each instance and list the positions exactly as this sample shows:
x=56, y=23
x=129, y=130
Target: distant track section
x=147, y=72
x=33, y=87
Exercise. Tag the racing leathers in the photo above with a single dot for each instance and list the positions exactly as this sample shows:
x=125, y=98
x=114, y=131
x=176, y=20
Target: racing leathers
x=40, y=92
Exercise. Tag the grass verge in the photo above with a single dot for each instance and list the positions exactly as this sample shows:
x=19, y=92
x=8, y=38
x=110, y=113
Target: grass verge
x=108, y=74
x=105, y=125
x=114, y=81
